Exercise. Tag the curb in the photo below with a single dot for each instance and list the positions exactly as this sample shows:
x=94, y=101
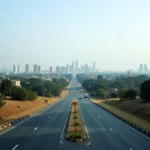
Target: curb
x=144, y=131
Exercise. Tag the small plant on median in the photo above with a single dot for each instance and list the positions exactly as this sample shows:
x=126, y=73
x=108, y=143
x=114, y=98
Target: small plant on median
x=75, y=117
x=75, y=136
x=76, y=124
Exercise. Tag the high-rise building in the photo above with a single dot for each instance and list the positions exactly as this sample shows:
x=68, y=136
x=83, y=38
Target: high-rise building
x=86, y=68
x=57, y=69
x=14, y=69
x=141, y=68
x=145, y=68
x=72, y=67
x=39, y=69
x=76, y=65
x=35, y=69
x=19, y=69
x=51, y=69
x=94, y=67
x=27, y=68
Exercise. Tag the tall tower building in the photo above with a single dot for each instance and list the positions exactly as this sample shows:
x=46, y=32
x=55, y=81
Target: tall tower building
x=39, y=69
x=73, y=67
x=27, y=68
x=19, y=69
x=141, y=68
x=14, y=69
x=51, y=69
x=76, y=65
x=57, y=69
x=35, y=69
x=94, y=67
x=145, y=68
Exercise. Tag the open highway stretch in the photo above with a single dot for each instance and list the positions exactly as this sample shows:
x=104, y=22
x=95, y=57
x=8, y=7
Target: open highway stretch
x=46, y=130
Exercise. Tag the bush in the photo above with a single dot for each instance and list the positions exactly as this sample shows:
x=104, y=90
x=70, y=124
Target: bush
x=75, y=136
x=31, y=95
x=22, y=94
x=113, y=95
x=76, y=124
x=19, y=93
x=75, y=117
x=2, y=103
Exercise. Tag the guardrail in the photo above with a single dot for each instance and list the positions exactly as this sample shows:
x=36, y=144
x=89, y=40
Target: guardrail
x=137, y=127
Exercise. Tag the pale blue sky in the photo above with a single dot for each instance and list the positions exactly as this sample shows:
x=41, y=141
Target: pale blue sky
x=113, y=33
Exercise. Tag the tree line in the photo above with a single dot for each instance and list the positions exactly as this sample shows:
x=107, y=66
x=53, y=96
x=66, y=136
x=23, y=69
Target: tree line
x=128, y=87
x=33, y=87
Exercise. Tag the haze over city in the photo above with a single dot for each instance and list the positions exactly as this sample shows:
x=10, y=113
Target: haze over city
x=113, y=34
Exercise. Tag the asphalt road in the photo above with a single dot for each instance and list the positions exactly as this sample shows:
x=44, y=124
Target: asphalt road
x=45, y=131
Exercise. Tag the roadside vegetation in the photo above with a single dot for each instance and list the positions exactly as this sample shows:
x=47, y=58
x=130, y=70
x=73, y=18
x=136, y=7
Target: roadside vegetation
x=31, y=88
x=132, y=95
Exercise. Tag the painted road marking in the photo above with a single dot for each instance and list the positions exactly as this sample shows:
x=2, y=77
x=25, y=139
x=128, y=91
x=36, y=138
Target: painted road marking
x=65, y=123
x=61, y=142
x=49, y=117
x=111, y=129
x=15, y=147
x=131, y=149
x=35, y=128
x=88, y=143
x=98, y=117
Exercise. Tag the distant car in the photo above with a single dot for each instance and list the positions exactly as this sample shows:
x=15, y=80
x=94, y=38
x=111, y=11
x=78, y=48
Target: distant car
x=86, y=95
x=81, y=97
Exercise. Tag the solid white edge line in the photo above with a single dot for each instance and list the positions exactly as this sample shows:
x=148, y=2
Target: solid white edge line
x=30, y=117
x=49, y=117
x=84, y=123
x=15, y=147
x=123, y=122
x=65, y=123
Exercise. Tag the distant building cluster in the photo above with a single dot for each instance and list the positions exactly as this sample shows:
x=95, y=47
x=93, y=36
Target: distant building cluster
x=143, y=68
x=72, y=68
x=18, y=69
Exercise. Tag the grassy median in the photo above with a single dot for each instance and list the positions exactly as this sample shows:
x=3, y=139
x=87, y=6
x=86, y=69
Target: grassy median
x=75, y=132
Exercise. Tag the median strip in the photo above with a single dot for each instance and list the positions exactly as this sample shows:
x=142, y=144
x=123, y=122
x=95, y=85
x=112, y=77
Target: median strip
x=75, y=131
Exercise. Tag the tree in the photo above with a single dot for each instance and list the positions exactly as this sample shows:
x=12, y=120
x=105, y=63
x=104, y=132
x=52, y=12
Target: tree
x=19, y=93
x=2, y=103
x=113, y=95
x=101, y=93
x=130, y=94
x=145, y=90
x=6, y=87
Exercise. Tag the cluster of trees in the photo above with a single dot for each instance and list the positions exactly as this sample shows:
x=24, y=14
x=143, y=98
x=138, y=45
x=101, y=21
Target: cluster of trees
x=17, y=93
x=33, y=87
x=44, y=87
x=129, y=87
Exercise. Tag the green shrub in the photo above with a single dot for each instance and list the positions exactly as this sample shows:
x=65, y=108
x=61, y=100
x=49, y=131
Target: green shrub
x=76, y=124
x=2, y=103
x=75, y=136
x=75, y=117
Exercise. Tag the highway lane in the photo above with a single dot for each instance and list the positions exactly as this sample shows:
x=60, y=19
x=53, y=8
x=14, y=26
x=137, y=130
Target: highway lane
x=107, y=132
x=42, y=131
x=46, y=130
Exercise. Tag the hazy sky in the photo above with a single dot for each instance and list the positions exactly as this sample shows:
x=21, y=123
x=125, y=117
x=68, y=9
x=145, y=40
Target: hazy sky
x=113, y=33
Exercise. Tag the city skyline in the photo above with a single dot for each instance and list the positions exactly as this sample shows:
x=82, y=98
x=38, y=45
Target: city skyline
x=114, y=34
